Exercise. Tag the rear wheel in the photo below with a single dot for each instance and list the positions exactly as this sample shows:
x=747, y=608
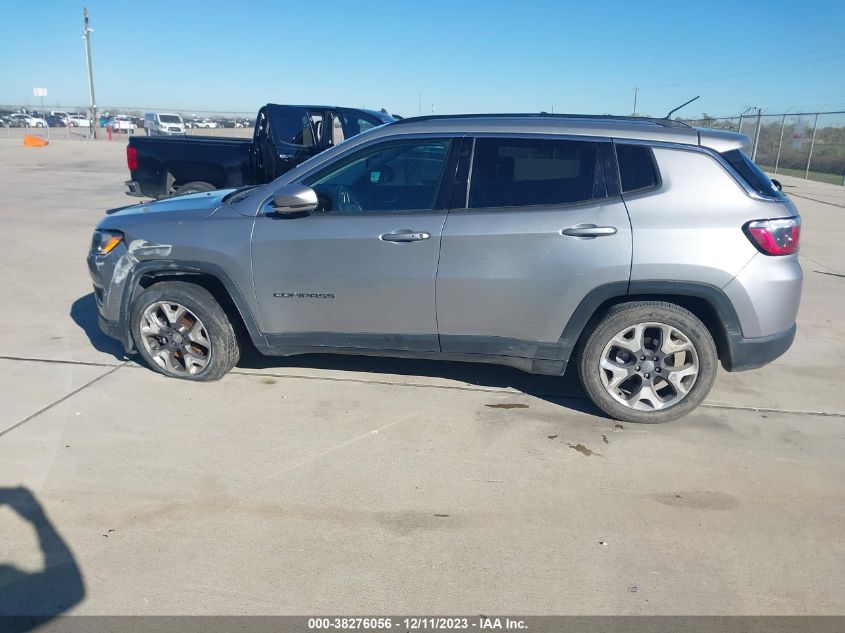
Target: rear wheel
x=195, y=186
x=181, y=331
x=648, y=362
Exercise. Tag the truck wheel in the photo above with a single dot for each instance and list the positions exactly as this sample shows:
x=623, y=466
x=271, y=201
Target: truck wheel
x=648, y=362
x=181, y=331
x=195, y=186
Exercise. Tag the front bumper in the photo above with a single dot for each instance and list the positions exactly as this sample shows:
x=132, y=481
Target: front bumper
x=114, y=330
x=751, y=353
x=108, y=292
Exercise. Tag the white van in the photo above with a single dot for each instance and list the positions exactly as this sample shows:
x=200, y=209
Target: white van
x=163, y=124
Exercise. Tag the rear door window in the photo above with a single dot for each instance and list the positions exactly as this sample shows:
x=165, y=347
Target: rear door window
x=637, y=169
x=510, y=172
x=296, y=126
x=346, y=125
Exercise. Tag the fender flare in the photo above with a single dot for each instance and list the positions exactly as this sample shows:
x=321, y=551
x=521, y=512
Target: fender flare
x=618, y=292
x=186, y=268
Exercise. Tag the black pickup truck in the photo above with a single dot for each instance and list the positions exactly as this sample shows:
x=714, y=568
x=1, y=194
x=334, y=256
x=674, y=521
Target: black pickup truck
x=284, y=136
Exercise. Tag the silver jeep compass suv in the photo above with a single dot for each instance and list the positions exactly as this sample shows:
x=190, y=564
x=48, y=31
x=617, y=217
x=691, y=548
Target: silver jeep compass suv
x=643, y=251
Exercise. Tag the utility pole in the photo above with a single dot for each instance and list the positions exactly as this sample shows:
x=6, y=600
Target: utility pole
x=636, y=90
x=86, y=35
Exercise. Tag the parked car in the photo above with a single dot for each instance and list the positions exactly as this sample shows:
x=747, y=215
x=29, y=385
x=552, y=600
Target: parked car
x=27, y=120
x=644, y=251
x=79, y=120
x=287, y=135
x=120, y=124
x=163, y=124
x=56, y=121
x=62, y=115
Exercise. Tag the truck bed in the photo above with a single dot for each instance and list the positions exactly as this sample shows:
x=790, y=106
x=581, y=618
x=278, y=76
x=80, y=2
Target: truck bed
x=167, y=162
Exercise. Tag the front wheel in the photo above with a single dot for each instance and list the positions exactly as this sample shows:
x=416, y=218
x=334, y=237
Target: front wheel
x=181, y=331
x=648, y=362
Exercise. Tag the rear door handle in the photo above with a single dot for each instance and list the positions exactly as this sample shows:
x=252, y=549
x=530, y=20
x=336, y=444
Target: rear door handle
x=405, y=235
x=588, y=231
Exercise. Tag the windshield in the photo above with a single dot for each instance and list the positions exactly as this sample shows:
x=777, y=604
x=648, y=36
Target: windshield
x=169, y=118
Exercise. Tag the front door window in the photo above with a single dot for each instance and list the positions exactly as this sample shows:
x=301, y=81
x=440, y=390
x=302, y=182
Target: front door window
x=400, y=176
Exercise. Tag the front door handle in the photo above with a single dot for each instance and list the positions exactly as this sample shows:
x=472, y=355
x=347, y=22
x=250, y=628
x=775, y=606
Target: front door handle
x=588, y=231
x=405, y=235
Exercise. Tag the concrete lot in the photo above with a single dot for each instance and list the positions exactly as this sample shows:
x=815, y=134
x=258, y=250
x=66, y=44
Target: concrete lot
x=326, y=484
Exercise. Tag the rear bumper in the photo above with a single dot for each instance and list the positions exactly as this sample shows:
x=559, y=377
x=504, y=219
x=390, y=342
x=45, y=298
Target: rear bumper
x=133, y=188
x=750, y=353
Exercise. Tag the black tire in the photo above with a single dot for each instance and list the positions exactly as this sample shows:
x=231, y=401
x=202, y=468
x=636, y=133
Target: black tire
x=629, y=314
x=224, y=350
x=195, y=186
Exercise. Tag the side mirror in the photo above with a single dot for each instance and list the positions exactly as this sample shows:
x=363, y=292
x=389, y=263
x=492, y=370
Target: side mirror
x=294, y=201
x=777, y=184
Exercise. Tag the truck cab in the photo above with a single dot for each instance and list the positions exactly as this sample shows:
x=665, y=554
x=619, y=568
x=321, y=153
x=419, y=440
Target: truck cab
x=284, y=136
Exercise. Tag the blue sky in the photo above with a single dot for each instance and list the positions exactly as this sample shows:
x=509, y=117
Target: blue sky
x=462, y=56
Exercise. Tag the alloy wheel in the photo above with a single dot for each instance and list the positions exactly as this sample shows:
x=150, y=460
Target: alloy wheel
x=175, y=338
x=649, y=366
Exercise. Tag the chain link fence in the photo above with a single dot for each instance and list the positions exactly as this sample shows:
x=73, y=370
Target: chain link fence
x=804, y=144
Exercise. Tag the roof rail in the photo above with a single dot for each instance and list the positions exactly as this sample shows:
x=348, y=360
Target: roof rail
x=544, y=115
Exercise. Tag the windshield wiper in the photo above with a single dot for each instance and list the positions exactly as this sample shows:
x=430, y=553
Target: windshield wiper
x=238, y=194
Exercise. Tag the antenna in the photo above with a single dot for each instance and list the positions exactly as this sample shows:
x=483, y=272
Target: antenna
x=671, y=112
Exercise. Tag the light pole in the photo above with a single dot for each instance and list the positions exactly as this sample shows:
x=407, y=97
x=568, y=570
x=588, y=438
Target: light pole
x=86, y=35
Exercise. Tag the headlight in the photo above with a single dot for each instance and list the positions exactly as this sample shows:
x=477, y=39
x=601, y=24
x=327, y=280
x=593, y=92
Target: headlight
x=104, y=242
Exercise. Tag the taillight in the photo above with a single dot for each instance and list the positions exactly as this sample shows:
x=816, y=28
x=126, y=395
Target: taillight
x=131, y=157
x=774, y=237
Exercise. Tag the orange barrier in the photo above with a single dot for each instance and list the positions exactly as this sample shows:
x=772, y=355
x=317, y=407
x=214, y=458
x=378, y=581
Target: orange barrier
x=34, y=141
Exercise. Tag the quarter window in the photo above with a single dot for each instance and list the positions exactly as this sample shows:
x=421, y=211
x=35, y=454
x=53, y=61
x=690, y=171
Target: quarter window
x=519, y=172
x=391, y=176
x=636, y=167
x=752, y=174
